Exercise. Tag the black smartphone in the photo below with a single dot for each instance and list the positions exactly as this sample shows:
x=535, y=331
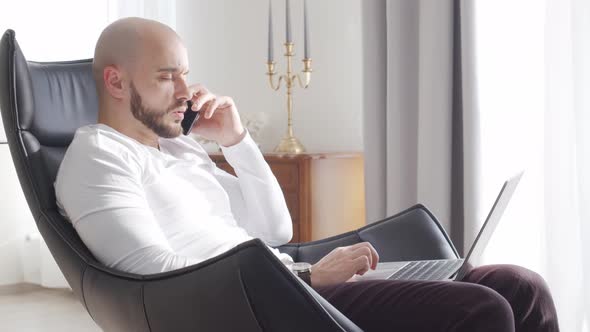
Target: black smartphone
x=189, y=119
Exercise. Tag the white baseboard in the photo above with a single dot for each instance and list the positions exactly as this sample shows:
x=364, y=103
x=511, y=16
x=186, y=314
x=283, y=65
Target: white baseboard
x=10, y=261
x=31, y=258
x=27, y=260
x=39, y=267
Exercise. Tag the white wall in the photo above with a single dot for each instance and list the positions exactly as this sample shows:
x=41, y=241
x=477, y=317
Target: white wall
x=16, y=221
x=24, y=256
x=227, y=45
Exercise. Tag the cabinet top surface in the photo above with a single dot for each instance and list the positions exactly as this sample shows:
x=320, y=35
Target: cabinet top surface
x=312, y=155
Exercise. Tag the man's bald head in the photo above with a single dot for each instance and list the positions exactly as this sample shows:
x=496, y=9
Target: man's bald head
x=125, y=41
x=140, y=68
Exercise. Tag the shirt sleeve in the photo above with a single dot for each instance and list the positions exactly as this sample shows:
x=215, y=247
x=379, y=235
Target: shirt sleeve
x=256, y=198
x=102, y=195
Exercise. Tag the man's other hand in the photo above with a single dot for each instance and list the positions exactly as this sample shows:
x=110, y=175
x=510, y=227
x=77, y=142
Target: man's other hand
x=219, y=120
x=343, y=263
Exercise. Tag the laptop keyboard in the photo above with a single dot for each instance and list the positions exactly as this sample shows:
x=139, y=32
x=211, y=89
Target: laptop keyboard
x=427, y=270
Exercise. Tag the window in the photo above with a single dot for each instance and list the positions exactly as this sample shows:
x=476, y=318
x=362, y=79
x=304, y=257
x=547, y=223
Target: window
x=510, y=73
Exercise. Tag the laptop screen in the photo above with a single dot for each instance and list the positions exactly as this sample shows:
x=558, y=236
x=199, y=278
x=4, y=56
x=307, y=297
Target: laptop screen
x=489, y=226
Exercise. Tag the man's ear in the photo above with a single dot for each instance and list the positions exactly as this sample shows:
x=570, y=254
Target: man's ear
x=113, y=82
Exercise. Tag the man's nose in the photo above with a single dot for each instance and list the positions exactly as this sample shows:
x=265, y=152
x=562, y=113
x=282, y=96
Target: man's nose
x=182, y=90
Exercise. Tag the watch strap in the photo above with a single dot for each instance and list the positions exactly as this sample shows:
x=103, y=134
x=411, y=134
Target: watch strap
x=305, y=276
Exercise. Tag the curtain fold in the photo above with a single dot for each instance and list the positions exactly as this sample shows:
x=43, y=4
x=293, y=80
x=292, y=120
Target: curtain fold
x=374, y=27
x=567, y=160
x=420, y=119
x=466, y=213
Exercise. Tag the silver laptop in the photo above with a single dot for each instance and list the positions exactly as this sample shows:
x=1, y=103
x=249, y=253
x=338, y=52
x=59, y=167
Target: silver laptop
x=448, y=269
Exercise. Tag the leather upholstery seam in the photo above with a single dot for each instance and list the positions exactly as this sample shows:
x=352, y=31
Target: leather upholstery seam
x=440, y=228
x=245, y=290
x=13, y=101
x=84, y=292
x=143, y=306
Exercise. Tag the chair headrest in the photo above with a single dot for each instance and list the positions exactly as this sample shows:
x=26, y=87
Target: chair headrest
x=53, y=99
x=65, y=99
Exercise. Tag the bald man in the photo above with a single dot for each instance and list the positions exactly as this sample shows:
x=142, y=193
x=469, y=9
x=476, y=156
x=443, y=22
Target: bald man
x=146, y=199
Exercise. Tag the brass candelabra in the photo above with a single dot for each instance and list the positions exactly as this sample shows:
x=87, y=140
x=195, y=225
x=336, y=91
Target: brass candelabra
x=289, y=143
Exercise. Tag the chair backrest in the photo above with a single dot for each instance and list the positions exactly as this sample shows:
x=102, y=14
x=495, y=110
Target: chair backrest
x=42, y=105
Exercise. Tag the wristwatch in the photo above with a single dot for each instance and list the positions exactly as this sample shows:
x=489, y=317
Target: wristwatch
x=303, y=271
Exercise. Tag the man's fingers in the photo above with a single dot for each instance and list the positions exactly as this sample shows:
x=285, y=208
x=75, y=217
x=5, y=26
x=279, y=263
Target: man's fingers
x=225, y=102
x=363, y=251
x=202, y=100
x=211, y=108
x=211, y=103
x=361, y=264
x=374, y=254
x=197, y=90
x=359, y=245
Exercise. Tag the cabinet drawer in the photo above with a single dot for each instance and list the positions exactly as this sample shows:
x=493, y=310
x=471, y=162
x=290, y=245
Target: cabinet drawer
x=287, y=175
x=287, y=182
x=292, y=200
x=295, y=238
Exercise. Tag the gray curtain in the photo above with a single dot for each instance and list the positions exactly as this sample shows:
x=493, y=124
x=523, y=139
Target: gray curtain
x=420, y=120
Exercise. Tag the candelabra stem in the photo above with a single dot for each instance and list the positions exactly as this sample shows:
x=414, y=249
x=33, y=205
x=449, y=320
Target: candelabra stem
x=289, y=55
x=290, y=114
x=289, y=143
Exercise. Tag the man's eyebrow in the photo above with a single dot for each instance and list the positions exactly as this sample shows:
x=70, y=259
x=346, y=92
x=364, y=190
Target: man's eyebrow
x=170, y=70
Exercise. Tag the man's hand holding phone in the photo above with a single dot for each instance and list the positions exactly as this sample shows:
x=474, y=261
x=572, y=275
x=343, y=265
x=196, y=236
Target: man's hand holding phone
x=219, y=119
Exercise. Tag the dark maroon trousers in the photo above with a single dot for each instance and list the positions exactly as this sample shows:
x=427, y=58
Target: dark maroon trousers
x=490, y=298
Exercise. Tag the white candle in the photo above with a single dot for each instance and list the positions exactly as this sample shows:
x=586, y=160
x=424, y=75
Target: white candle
x=288, y=20
x=270, y=37
x=305, y=31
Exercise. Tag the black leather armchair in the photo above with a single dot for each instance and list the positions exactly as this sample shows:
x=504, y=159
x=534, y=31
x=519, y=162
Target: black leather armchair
x=244, y=289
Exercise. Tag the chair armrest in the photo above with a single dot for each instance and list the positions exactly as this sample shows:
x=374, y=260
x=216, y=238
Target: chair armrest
x=412, y=234
x=244, y=289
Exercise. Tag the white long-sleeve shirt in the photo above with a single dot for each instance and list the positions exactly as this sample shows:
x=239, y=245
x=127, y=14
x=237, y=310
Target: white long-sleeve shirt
x=144, y=210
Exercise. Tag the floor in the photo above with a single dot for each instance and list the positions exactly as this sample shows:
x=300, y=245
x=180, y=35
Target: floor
x=30, y=308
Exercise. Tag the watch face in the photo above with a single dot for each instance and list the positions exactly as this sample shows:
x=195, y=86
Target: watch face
x=300, y=266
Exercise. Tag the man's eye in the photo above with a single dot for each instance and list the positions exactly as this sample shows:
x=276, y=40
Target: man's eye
x=166, y=78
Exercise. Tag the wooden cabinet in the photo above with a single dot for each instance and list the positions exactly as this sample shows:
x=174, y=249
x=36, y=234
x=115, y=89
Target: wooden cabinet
x=324, y=191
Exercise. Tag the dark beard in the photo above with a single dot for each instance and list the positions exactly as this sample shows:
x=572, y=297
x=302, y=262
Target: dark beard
x=152, y=118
